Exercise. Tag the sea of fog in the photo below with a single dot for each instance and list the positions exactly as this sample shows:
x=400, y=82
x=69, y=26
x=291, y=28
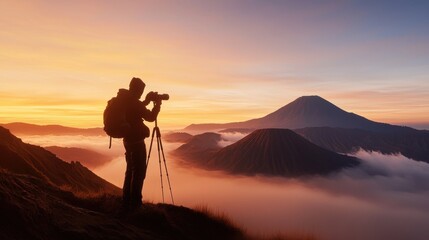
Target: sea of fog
x=386, y=197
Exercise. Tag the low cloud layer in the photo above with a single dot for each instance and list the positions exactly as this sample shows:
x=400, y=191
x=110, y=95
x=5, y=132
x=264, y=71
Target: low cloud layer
x=392, y=180
x=386, y=197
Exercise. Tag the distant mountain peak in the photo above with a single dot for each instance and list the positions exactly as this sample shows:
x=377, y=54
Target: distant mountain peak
x=310, y=97
x=306, y=111
x=314, y=101
x=309, y=105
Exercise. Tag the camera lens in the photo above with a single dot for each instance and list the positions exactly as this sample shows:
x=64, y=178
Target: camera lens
x=164, y=96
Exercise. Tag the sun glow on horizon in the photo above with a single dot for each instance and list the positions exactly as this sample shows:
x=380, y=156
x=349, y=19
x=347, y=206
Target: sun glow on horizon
x=219, y=61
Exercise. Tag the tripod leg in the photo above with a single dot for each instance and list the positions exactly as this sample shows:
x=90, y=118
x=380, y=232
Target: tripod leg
x=150, y=148
x=160, y=167
x=166, y=169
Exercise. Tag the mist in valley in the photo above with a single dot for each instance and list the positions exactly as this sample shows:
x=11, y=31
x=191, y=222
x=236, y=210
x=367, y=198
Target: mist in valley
x=386, y=197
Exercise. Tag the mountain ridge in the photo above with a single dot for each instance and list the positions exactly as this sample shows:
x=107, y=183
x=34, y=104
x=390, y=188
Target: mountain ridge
x=23, y=158
x=53, y=129
x=412, y=144
x=306, y=111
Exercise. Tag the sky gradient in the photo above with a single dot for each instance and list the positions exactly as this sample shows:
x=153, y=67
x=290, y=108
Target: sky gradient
x=220, y=61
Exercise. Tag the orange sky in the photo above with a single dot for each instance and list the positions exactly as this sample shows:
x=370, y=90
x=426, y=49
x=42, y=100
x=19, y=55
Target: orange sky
x=220, y=61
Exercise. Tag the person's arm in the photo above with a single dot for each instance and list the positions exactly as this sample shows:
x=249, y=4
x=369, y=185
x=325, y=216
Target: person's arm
x=150, y=115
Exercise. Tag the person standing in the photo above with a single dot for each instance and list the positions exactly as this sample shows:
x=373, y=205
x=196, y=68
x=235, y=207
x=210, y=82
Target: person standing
x=135, y=149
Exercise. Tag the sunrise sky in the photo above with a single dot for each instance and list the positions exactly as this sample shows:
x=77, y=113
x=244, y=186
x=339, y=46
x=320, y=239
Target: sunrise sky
x=220, y=61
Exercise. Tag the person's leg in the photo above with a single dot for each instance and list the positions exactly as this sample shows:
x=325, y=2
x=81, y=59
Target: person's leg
x=126, y=190
x=139, y=173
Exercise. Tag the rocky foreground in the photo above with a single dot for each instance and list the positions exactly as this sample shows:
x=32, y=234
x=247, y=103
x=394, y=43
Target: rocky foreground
x=33, y=209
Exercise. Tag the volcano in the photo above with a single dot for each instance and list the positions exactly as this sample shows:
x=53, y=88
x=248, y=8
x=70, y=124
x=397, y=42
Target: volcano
x=306, y=111
x=278, y=152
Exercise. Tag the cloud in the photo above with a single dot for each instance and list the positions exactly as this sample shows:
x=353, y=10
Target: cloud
x=95, y=143
x=230, y=138
x=392, y=180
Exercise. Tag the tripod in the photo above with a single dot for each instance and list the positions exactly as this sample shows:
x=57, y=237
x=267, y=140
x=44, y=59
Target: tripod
x=157, y=132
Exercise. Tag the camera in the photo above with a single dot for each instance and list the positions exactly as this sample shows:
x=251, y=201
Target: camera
x=154, y=96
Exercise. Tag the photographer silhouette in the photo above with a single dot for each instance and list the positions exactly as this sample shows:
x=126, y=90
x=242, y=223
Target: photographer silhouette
x=124, y=118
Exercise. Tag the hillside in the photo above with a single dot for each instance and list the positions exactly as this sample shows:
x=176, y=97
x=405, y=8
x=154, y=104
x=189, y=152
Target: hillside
x=33, y=209
x=306, y=111
x=21, y=158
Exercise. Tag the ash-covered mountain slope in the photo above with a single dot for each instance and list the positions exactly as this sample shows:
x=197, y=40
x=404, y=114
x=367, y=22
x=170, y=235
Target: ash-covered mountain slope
x=279, y=152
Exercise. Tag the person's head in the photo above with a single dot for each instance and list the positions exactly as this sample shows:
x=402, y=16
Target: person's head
x=137, y=87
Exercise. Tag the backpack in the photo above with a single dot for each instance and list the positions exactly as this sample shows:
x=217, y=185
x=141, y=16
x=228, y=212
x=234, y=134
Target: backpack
x=114, y=118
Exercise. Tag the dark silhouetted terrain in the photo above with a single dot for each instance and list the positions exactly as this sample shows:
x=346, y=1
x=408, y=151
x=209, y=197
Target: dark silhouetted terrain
x=88, y=158
x=412, y=144
x=22, y=158
x=279, y=152
x=32, y=129
x=306, y=111
x=33, y=209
